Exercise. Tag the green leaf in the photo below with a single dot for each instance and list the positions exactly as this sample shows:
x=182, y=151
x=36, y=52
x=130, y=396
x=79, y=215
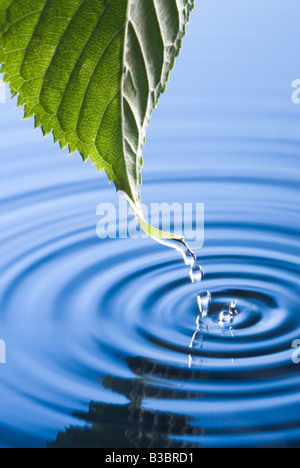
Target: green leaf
x=91, y=72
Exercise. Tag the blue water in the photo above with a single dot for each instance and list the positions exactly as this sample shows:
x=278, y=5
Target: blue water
x=103, y=337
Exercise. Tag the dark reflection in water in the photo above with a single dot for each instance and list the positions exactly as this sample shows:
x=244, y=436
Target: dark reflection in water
x=132, y=426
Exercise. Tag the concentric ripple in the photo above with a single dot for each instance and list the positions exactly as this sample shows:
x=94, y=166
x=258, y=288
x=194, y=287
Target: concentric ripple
x=117, y=322
x=106, y=337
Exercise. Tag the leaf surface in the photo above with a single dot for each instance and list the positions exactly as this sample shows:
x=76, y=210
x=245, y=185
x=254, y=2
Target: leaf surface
x=91, y=72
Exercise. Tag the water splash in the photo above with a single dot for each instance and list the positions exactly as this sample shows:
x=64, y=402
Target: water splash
x=210, y=319
x=224, y=315
x=220, y=318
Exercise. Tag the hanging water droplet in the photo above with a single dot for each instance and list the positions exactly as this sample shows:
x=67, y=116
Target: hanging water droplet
x=204, y=301
x=196, y=273
x=189, y=257
x=182, y=247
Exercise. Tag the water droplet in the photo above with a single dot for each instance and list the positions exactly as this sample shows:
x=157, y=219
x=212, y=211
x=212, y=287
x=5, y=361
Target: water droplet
x=225, y=317
x=204, y=301
x=233, y=307
x=196, y=273
x=189, y=257
x=181, y=246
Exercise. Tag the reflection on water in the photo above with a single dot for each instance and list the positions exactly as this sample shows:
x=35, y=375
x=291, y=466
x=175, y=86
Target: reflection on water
x=132, y=425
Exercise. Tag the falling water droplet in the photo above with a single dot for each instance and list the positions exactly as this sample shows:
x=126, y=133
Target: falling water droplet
x=196, y=273
x=204, y=301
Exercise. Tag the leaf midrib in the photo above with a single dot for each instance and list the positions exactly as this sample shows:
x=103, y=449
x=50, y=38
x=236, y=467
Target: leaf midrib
x=122, y=89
